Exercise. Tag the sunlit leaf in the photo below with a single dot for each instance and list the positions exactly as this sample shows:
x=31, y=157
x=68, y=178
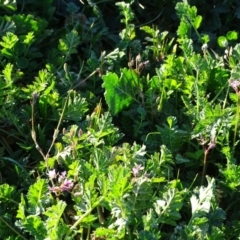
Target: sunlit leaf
x=9, y=5
x=222, y=41
x=120, y=91
x=232, y=35
x=38, y=196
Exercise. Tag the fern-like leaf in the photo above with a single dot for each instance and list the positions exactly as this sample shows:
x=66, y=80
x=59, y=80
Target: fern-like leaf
x=168, y=207
x=68, y=44
x=38, y=196
x=6, y=26
x=54, y=214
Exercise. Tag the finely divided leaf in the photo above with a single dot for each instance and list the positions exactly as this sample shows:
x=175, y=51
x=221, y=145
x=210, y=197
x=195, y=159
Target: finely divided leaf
x=6, y=192
x=69, y=43
x=168, y=207
x=76, y=107
x=38, y=196
x=6, y=26
x=55, y=225
x=33, y=225
x=201, y=202
x=54, y=214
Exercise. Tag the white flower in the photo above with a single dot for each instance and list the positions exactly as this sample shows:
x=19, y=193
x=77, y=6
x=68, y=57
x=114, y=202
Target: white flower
x=52, y=174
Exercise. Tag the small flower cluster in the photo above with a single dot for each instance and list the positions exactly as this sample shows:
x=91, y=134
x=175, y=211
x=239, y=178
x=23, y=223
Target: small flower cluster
x=63, y=183
x=138, y=63
x=235, y=85
x=136, y=169
x=209, y=146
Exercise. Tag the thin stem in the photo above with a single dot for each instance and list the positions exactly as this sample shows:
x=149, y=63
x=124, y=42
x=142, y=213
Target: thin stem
x=34, y=97
x=100, y=215
x=56, y=131
x=197, y=93
x=1, y=219
x=204, y=165
x=220, y=91
x=237, y=120
x=84, y=215
x=84, y=80
x=88, y=232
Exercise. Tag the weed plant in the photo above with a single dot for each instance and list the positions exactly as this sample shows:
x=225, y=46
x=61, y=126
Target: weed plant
x=119, y=123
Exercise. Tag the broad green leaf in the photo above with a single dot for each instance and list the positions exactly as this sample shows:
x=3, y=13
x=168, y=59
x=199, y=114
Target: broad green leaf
x=120, y=91
x=22, y=62
x=232, y=35
x=38, y=196
x=222, y=41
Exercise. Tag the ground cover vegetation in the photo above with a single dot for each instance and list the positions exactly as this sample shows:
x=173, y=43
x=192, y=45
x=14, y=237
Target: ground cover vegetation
x=119, y=120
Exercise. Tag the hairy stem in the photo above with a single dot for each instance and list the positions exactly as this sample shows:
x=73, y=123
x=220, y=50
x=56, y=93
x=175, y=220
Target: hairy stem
x=204, y=166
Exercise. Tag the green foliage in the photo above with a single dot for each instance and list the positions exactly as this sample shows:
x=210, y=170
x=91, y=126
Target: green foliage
x=206, y=216
x=189, y=19
x=68, y=44
x=125, y=10
x=120, y=92
x=10, y=5
x=112, y=119
x=160, y=47
x=168, y=207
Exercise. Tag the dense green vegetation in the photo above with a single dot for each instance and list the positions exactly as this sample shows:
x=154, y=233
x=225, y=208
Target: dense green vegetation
x=119, y=120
